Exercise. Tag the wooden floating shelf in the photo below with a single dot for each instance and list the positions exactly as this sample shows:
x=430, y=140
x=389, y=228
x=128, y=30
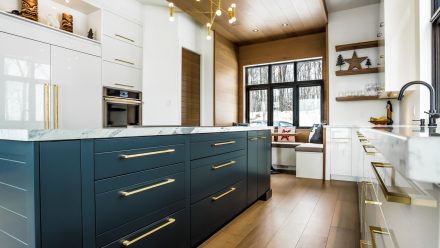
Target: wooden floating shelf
x=359, y=45
x=357, y=72
x=384, y=96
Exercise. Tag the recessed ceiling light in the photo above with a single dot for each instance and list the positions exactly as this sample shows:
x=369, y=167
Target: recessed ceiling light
x=255, y=30
x=285, y=24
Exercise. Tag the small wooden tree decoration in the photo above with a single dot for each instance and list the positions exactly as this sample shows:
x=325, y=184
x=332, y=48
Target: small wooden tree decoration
x=368, y=63
x=90, y=34
x=340, y=62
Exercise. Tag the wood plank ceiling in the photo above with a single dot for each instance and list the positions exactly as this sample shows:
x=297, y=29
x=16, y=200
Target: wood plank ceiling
x=268, y=16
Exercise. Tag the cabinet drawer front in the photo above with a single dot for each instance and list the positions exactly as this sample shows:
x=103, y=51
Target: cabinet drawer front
x=119, y=52
x=212, y=174
x=167, y=232
x=205, y=145
x=340, y=133
x=124, y=204
x=119, y=76
x=111, y=145
x=127, y=161
x=124, y=30
x=208, y=215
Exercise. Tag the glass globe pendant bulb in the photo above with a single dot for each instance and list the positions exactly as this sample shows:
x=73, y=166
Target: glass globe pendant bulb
x=218, y=12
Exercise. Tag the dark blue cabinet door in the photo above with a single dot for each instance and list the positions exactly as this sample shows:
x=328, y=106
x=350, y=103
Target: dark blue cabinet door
x=264, y=157
x=60, y=194
x=252, y=174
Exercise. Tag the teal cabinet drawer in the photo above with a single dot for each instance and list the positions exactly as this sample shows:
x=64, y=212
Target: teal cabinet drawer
x=123, y=199
x=167, y=232
x=110, y=164
x=205, y=145
x=208, y=215
x=119, y=144
x=209, y=175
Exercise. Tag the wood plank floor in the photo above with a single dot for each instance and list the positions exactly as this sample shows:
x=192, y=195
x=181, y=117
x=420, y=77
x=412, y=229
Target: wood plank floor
x=302, y=213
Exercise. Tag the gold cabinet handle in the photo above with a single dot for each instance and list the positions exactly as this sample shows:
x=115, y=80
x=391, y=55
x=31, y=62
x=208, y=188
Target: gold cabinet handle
x=364, y=243
x=123, y=37
x=366, y=151
x=389, y=196
x=124, y=61
x=124, y=85
x=145, y=154
x=127, y=243
x=253, y=139
x=368, y=201
x=216, y=167
x=224, y=143
x=55, y=89
x=129, y=193
x=377, y=230
x=216, y=198
x=46, y=106
x=263, y=137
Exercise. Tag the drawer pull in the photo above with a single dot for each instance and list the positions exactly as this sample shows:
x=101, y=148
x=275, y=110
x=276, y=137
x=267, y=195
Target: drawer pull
x=125, y=85
x=253, y=139
x=263, y=137
x=368, y=201
x=364, y=243
x=127, y=243
x=366, y=151
x=216, y=167
x=216, y=198
x=389, y=196
x=224, y=143
x=377, y=230
x=123, y=156
x=123, y=37
x=124, y=61
x=126, y=194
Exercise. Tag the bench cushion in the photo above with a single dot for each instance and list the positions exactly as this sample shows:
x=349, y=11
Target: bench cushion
x=286, y=144
x=308, y=147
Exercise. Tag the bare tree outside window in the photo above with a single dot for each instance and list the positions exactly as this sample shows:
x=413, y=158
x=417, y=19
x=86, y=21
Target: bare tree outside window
x=258, y=107
x=309, y=106
x=283, y=73
x=283, y=107
x=309, y=70
x=258, y=75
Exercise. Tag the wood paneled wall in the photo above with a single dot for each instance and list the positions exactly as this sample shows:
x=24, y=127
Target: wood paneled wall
x=190, y=88
x=225, y=82
x=302, y=47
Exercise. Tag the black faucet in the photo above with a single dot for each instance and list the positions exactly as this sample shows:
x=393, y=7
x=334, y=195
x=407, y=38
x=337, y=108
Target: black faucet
x=433, y=115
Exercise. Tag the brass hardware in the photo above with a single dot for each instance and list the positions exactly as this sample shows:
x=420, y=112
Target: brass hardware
x=364, y=243
x=368, y=201
x=224, y=143
x=127, y=243
x=215, y=198
x=124, y=85
x=121, y=100
x=263, y=137
x=253, y=139
x=46, y=106
x=123, y=37
x=216, y=167
x=55, y=89
x=126, y=194
x=389, y=196
x=123, y=156
x=124, y=61
x=377, y=230
x=367, y=152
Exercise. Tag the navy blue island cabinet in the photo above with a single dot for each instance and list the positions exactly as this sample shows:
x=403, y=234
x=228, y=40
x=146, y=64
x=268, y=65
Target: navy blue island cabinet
x=155, y=191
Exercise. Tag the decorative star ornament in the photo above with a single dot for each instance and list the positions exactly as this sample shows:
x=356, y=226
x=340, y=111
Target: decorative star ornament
x=355, y=61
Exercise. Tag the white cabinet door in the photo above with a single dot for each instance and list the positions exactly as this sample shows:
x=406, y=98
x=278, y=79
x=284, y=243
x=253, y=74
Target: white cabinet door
x=78, y=78
x=119, y=76
x=119, y=52
x=24, y=71
x=122, y=29
x=341, y=157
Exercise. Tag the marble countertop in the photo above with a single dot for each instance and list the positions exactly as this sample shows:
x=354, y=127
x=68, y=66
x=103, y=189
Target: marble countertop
x=64, y=134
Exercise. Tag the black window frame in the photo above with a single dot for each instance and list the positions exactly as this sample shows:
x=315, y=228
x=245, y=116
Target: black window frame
x=295, y=85
x=435, y=19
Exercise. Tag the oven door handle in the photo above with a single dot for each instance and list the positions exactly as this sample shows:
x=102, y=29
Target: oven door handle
x=122, y=101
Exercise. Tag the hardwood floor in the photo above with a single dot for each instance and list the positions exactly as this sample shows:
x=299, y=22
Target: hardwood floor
x=302, y=213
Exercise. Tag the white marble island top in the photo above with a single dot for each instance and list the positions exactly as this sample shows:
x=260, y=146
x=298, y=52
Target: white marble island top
x=413, y=150
x=64, y=134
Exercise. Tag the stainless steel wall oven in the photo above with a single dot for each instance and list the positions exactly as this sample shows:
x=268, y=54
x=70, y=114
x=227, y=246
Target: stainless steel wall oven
x=122, y=108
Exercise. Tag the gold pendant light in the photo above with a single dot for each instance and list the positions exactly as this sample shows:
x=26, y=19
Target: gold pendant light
x=215, y=10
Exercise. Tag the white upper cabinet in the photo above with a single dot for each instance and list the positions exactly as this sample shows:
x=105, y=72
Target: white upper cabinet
x=124, y=77
x=119, y=52
x=122, y=29
x=24, y=72
x=77, y=91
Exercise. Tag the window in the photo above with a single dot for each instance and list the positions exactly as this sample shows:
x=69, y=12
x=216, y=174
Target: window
x=285, y=94
x=436, y=48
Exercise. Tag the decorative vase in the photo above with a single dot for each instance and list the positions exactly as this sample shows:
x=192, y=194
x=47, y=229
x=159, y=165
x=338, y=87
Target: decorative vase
x=67, y=22
x=29, y=9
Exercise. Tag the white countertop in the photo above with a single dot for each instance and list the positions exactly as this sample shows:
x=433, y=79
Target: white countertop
x=63, y=134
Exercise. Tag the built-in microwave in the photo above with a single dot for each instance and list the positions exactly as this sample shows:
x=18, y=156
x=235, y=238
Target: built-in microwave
x=122, y=108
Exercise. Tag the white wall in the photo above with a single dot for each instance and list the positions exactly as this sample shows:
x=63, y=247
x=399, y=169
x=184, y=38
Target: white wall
x=163, y=43
x=350, y=26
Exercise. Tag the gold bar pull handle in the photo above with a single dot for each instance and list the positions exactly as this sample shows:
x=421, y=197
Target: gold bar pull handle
x=368, y=201
x=253, y=139
x=137, y=191
x=127, y=243
x=377, y=230
x=224, y=143
x=124, y=61
x=123, y=37
x=366, y=151
x=364, y=243
x=46, y=106
x=145, y=154
x=55, y=89
x=216, y=167
x=124, y=85
x=216, y=198
x=263, y=137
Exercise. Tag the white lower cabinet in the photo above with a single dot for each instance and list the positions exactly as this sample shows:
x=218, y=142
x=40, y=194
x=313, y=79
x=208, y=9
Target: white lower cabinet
x=341, y=157
x=77, y=91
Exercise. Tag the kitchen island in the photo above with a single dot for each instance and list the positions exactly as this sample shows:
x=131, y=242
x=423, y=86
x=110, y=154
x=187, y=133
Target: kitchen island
x=136, y=187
